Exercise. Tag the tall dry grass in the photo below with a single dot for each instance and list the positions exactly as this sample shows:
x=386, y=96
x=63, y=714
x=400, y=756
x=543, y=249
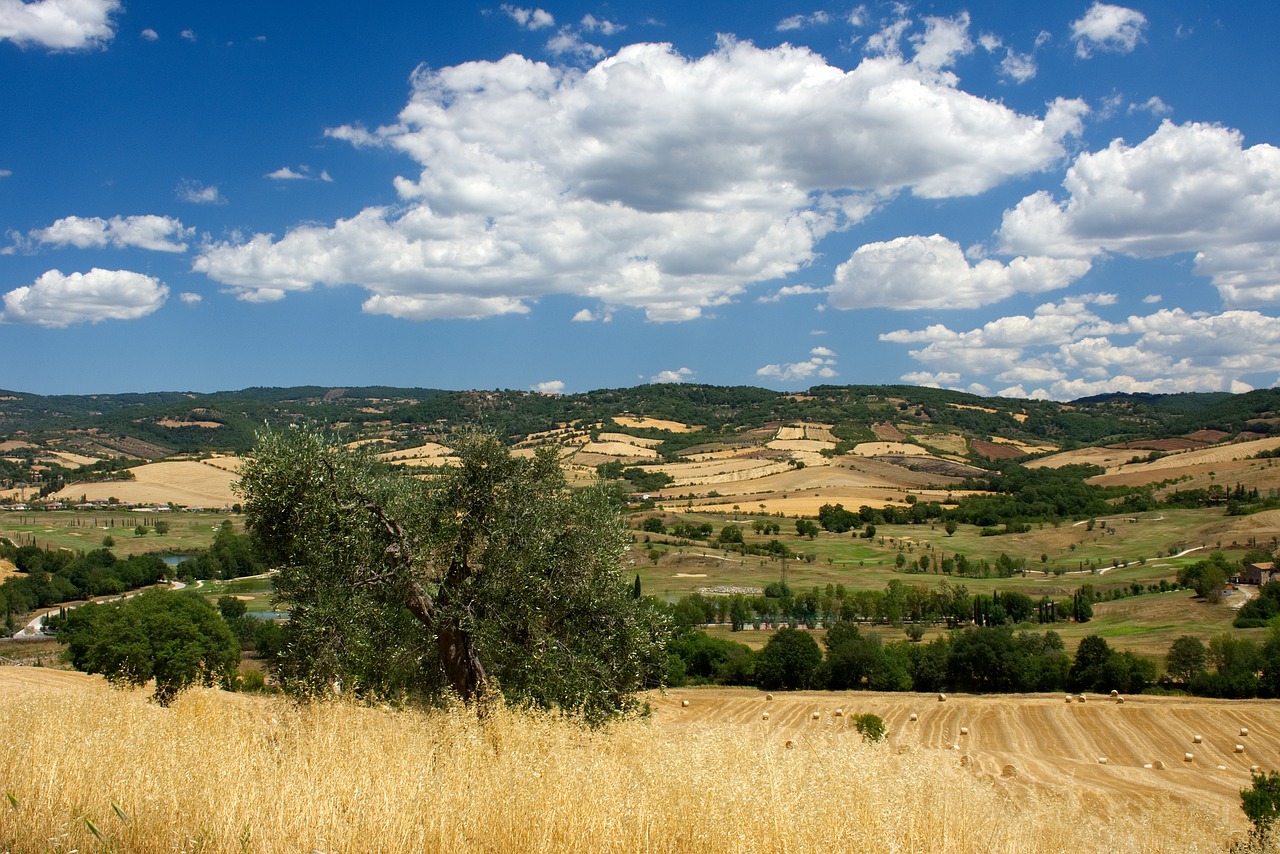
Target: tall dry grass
x=220, y=772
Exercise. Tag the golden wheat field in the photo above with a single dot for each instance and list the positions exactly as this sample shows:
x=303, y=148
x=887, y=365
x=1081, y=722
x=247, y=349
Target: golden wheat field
x=204, y=483
x=92, y=769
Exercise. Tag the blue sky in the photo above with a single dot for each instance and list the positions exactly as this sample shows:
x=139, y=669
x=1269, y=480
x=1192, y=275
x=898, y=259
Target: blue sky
x=1034, y=200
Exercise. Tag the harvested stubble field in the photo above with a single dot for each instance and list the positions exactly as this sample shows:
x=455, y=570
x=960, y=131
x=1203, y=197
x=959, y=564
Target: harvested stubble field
x=219, y=772
x=187, y=482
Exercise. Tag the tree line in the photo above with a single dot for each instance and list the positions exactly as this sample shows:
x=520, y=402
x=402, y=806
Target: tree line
x=49, y=577
x=990, y=659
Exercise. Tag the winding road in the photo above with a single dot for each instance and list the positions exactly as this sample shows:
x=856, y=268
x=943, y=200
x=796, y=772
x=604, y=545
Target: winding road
x=34, y=630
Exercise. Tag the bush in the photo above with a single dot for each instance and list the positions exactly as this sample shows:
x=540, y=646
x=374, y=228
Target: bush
x=1261, y=803
x=870, y=726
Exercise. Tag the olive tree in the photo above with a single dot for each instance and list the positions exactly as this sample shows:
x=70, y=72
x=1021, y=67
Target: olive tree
x=491, y=574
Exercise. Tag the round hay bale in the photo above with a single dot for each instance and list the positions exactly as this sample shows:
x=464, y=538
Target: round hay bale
x=964, y=730
x=1147, y=765
x=1244, y=731
x=1158, y=765
x=1115, y=693
x=955, y=745
x=1008, y=771
x=684, y=704
x=913, y=717
x=1254, y=769
x=839, y=713
x=1102, y=760
x=813, y=716
x=789, y=744
x=1070, y=698
x=765, y=716
x=1197, y=739
x=1079, y=698
x=942, y=698
x=1222, y=768
x=1187, y=757
x=1119, y=701
x=768, y=696
x=1239, y=748
x=966, y=761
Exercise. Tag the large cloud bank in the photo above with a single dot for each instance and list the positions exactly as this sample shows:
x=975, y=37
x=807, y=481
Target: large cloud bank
x=649, y=181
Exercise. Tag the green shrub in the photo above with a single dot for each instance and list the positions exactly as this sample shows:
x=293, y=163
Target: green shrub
x=870, y=726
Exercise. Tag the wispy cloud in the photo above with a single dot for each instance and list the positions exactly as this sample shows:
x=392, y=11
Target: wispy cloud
x=200, y=194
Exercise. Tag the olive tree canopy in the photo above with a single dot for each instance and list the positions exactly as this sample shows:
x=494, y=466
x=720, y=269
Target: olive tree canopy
x=490, y=574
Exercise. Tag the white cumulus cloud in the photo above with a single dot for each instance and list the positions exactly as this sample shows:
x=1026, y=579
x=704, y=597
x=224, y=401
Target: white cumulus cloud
x=157, y=233
x=55, y=299
x=931, y=272
x=681, y=375
x=1065, y=350
x=1191, y=188
x=650, y=180
x=549, y=387
x=820, y=365
x=592, y=24
x=529, y=19
x=1108, y=28
x=58, y=24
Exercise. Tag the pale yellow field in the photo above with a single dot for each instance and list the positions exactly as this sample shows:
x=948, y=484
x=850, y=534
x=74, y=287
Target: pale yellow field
x=947, y=443
x=1177, y=463
x=7, y=568
x=654, y=424
x=881, y=449
x=726, y=454
x=1023, y=446
x=812, y=432
x=191, y=483
x=634, y=441
x=1053, y=746
x=176, y=422
x=726, y=471
x=626, y=450
x=978, y=408
x=1106, y=457
x=71, y=460
x=1117, y=460
x=430, y=453
x=851, y=482
x=807, y=446
x=218, y=772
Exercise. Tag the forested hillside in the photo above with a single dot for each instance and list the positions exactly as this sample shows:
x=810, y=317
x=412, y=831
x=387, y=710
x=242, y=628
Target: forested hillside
x=180, y=422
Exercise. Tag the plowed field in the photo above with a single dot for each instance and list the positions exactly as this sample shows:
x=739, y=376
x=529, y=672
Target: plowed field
x=1037, y=741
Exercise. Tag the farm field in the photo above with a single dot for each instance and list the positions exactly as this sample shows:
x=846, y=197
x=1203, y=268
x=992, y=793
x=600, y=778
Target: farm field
x=191, y=483
x=1147, y=625
x=710, y=776
x=1139, y=551
x=1052, y=746
x=84, y=530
